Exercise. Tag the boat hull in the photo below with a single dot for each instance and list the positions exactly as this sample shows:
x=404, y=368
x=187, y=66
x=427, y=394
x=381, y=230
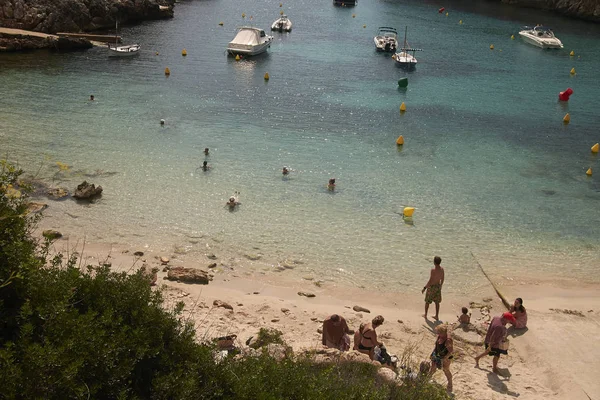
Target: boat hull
x=250, y=51
x=124, y=51
x=541, y=43
x=385, y=45
x=405, y=60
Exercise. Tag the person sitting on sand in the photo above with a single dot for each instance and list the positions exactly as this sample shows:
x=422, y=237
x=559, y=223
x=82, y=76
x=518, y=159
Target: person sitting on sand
x=367, y=337
x=205, y=166
x=331, y=184
x=465, y=317
x=335, y=333
x=285, y=171
x=441, y=357
x=520, y=314
x=434, y=287
x=494, y=338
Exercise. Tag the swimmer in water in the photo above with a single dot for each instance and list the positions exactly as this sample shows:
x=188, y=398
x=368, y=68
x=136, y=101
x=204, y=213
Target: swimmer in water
x=205, y=166
x=206, y=151
x=91, y=97
x=285, y=171
x=331, y=184
x=233, y=201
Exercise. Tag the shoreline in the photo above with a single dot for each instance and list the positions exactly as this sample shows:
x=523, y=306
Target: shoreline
x=563, y=317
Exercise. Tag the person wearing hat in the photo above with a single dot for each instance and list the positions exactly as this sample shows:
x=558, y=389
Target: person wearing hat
x=494, y=338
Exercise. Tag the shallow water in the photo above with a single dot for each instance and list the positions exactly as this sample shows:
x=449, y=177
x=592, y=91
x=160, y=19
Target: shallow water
x=488, y=163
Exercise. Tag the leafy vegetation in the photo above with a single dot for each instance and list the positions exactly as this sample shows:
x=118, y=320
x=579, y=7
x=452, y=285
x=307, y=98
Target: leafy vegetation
x=88, y=333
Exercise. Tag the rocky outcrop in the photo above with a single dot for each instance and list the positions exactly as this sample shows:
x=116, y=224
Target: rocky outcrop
x=51, y=16
x=582, y=9
x=188, y=275
x=87, y=191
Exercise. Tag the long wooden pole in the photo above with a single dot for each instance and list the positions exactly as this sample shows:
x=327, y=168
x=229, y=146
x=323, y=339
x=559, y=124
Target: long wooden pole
x=506, y=303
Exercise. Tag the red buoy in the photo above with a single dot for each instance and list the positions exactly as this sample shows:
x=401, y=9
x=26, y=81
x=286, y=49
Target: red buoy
x=441, y=10
x=564, y=96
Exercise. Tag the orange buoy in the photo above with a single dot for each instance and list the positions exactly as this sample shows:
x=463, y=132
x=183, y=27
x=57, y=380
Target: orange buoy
x=402, y=107
x=567, y=119
x=589, y=172
x=595, y=148
x=400, y=140
x=167, y=71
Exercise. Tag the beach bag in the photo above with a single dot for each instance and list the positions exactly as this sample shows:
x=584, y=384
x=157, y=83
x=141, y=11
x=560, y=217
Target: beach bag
x=504, y=345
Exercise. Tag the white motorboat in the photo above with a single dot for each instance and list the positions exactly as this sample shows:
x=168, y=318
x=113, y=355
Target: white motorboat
x=124, y=51
x=540, y=36
x=386, y=39
x=249, y=41
x=404, y=58
x=282, y=24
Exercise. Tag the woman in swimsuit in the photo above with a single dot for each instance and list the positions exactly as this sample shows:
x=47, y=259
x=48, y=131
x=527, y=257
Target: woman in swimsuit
x=520, y=314
x=441, y=357
x=368, y=336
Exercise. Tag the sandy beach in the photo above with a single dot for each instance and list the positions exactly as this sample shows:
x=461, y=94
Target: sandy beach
x=554, y=358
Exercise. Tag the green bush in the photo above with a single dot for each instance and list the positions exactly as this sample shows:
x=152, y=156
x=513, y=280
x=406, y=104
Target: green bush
x=71, y=333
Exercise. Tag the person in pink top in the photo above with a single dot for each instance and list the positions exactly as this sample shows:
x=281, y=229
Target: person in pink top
x=520, y=314
x=493, y=339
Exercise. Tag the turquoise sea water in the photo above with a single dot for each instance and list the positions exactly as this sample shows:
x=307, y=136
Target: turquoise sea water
x=488, y=163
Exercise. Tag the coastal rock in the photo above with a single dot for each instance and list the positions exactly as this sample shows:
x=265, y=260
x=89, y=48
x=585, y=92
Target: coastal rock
x=361, y=309
x=387, y=374
x=212, y=265
x=164, y=260
x=57, y=193
x=139, y=254
x=188, y=275
x=36, y=207
x=51, y=16
x=86, y=191
x=51, y=234
x=220, y=303
x=306, y=294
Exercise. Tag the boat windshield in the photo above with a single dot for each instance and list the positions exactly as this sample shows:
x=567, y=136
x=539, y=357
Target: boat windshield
x=262, y=33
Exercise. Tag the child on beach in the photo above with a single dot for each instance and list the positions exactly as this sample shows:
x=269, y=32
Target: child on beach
x=465, y=318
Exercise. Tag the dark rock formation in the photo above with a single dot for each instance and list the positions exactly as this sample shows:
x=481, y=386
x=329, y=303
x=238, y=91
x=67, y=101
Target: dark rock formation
x=51, y=234
x=51, y=16
x=86, y=191
x=188, y=275
x=583, y=9
x=10, y=43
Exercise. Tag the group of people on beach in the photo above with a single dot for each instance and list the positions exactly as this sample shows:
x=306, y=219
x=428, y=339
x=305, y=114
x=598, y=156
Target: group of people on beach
x=336, y=332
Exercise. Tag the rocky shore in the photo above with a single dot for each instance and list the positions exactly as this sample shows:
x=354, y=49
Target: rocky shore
x=581, y=9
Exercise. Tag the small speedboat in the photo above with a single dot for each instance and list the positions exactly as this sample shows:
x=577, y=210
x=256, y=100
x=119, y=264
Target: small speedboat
x=129, y=50
x=249, y=41
x=386, y=39
x=282, y=24
x=540, y=36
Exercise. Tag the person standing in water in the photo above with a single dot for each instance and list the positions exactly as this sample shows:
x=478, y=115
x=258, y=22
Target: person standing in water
x=91, y=97
x=331, y=184
x=206, y=151
x=285, y=171
x=205, y=166
x=434, y=287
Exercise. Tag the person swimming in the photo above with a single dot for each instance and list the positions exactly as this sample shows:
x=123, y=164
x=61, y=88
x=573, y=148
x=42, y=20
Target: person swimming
x=206, y=151
x=285, y=171
x=233, y=201
x=205, y=166
x=331, y=184
x=91, y=97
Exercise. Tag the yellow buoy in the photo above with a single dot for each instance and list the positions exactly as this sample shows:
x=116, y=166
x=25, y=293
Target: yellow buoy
x=237, y=57
x=400, y=140
x=402, y=107
x=595, y=148
x=280, y=4
x=573, y=71
x=460, y=22
x=408, y=212
x=266, y=76
x=512, y=37
x=157, y=53
x=567, y=119
x=281, y=12
x=220, y=23
x=491, y=47
x=243, y=15
x=589, y=172
x=572, y=53
x=167, y=71
x=353, y=15
x=446, y=14
x=184, y=52
x=364, y=26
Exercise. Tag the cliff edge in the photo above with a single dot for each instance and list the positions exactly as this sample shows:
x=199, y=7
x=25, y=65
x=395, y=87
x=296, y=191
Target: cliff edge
x=582, y=9
x=52, y=16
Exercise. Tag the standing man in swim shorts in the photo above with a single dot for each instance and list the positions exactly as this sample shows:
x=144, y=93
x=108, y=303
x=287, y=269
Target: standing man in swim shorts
x=434, y=287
